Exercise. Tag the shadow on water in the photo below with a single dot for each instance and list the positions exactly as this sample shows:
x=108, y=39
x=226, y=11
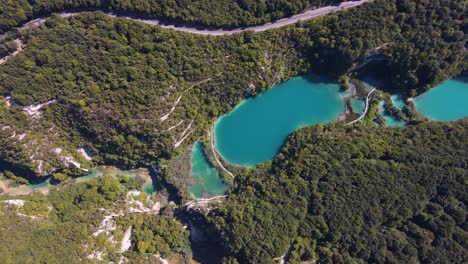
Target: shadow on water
x=315, y=78
x=40, y=181
x=160, y=183
x=377, y=74
x=24, y=172
x=462, y=78
x=53, y=181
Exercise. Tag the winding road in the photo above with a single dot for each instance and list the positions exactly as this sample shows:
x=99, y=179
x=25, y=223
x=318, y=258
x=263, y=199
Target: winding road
x=259, y=28
x=307, y=15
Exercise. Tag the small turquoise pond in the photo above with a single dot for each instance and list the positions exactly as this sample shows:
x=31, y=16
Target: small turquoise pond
x=397, y=101
x=149, y=188
x=256, y=129
x=358, y=105
x=389, y=119
x=445, y=102
x=209, y=181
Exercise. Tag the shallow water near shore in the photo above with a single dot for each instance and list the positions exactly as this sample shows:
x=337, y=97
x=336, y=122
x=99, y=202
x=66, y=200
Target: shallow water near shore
x=88, y=177
x=446, y=102
x=45, y=184
x=389, y=119
x=397, y=101
x=358, y=105
x=393, y=121
x=256, y=129
x=209, y=181
x=149, y=188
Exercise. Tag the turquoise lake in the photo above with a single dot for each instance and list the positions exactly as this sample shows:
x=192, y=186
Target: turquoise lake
x=256, y=129
x=445, y=102
x=209, y=181
x=358, y=105
x=397, y=101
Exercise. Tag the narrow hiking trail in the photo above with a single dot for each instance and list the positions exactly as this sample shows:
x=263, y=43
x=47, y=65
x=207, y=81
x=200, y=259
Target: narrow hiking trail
x=369, y=96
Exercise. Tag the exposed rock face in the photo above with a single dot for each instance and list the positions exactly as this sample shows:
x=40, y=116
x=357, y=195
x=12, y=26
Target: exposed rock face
x=85, y=152
x=34, y=111
x=126, y=242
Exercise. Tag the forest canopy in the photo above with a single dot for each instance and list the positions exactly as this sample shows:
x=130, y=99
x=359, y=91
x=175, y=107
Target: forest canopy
x=68, y=225
x=213, y=13
x=114, y=80
x=135, y=95
x=354, y=194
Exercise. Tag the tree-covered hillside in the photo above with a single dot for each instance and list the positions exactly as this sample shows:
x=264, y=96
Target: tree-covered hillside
x=87, y=222
x=415, y=44
x=354, y=195
x=216, y=13
x=132, y=93
x=91, y=89
x=135, y=94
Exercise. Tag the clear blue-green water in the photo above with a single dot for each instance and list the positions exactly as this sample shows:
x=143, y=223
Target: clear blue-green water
x=39, y=185
x=256, y=129
x=46, y=183
x=88, y=177
x=397, y=101
x=393, y=121
x=209, y=181
x=358, y=105
x=149, y=188
x=445, y=102
x=344, y=94
x=389, y=119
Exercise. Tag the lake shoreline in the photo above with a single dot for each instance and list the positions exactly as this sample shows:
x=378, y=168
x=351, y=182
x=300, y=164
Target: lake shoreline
x=256, y=128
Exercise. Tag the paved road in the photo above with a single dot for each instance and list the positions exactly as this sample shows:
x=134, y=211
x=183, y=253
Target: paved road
x=213, y=32
x=276, y=24
x=219, y=32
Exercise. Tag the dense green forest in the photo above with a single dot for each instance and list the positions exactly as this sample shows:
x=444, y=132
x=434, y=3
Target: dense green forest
x=354, y=194
x=216, y=13
x=137, y=95
x=115, y=80
x=334, y=194
x=62, y=227
x=7, y=48
x=421, y=43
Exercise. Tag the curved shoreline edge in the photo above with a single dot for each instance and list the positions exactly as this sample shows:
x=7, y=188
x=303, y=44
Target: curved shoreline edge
x=307, y=15
x=369, y=96
x=215, y=154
